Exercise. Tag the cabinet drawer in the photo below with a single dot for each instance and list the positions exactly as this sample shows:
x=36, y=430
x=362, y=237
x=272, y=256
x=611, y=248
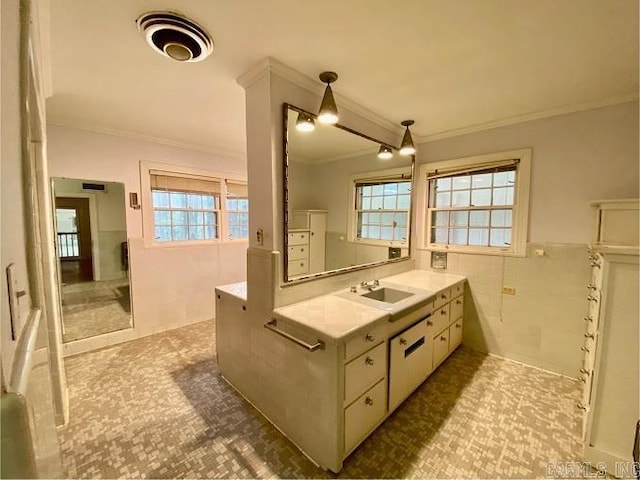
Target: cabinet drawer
x=298, y=267
x=409, y=362
x=441, y=298
x=439, y=319
x=455, y=334
x=456, y=308
x=440, y=347
x=298, y=252
x=298, y=238
x=363, y=371
x=364, y=414
x=364, y=340
x=457, y=290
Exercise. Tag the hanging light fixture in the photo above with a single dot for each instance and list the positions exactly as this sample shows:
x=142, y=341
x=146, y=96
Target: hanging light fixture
x=305, y=122
x=385, y=152
x=328, y=111
x=407, y=147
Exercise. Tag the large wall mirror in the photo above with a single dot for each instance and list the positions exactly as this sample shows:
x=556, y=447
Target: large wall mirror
x=92, y=250
x=345, y=207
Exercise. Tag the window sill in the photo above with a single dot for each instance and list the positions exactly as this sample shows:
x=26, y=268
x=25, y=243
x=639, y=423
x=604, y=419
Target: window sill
x=476, y=251
x=192, y=243
x=379, y=243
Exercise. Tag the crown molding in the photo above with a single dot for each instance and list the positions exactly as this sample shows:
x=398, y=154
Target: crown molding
x=271, y=65
x=527, y=117
x=219, y=152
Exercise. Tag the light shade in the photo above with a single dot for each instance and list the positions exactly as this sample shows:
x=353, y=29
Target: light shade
x=305, y=122
x=385, y=152
x=407, y=147
x=328, y=111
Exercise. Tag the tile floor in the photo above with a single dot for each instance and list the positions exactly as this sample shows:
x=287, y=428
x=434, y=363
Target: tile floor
x=94, y=308
x=157, y=408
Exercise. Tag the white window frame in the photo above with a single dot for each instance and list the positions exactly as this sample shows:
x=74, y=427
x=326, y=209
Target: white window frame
x=148, y=227
x=353, y=215
x=225, y=217
x=520, y=219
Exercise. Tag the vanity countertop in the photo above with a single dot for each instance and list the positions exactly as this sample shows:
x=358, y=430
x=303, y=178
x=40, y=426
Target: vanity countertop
x=238, y=289
x=334, y=317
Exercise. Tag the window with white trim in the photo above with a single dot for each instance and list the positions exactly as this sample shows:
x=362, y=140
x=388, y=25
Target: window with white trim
x=477, y=205
x=237, y=205
x=383, y=210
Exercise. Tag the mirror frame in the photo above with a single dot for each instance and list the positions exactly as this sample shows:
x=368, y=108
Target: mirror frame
x=285, y=204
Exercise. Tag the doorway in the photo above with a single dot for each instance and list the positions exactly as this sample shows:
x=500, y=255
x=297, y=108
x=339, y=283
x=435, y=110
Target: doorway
x=74, y=239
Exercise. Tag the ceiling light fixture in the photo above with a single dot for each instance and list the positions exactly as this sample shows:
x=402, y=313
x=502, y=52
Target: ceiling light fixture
x=305, y=122
x=407, y=147
x=385, y=152
x=175, y=36
x=328, y=111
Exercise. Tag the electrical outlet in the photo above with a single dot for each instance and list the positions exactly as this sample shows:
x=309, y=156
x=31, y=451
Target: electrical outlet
x=508, y=290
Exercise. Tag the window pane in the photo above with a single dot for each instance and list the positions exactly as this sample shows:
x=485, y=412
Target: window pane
x=479, y=218
x=501, y=218
x=196, y=218
x=389, y=203
x=377, y=190
x=366, y=203
x=500, y=237
x=501, y=179
x=443, y=199
x=460, y=219
x=482, y=180
x=162, y=217
x=243, y=204
x=376, y=203
x=194, y=201
x=461, y=198
x=196, y=233
x=179, y=233
x=443, y=184
x=390, y=189
x=503, y=196
x=207, y=202
x=387, y=219
x=209, y=218
x=440, y=219
x=232, y=204
x=163, y=234
x=404, y=201
x=210, y=232
x=364, y=232
x=479, y=236
x=461, y=183
x=179, y=217
x=439, y=235
x=244, y=219
x=400, y=233
x=366, y=190
x=66, y=220
x=458, y=236
x=178, y=200
x=374, y=218
x=374, y=232
x=401, y=218
x=160, y=199
x=481, y=198
x=404, y=188
x=386, y=233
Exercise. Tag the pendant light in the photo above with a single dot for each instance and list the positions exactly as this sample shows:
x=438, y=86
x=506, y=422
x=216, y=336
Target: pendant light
x=407, y=147
x=328, y=111
x=385, y=152
x=305, y=122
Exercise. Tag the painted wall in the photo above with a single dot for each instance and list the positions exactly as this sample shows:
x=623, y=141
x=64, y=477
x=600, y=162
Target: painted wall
x=577, y=158
x=171, y=286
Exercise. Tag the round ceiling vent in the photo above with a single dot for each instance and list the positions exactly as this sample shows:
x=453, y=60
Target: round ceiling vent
x=175, y=36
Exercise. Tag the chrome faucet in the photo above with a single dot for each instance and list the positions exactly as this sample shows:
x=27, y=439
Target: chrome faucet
x=370, y=286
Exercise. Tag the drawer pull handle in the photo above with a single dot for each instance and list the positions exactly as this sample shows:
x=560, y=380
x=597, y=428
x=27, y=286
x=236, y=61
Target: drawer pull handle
x=592, y=298
x=588, y=319
x=581, y=406
x=443, y=296
x=459, y=302
x=458, y=325
x=443, y=339
x=443, y=312
x=368, y=361
x=589, y=335
x=429, y=323
x=585, y=349
x=273, y=326
x=583, y=380
x=302, y=249
x=585, y=371
x=403, y=341
x=368, y=401
x=591, y=286
x=595, y=264
x=369, y=337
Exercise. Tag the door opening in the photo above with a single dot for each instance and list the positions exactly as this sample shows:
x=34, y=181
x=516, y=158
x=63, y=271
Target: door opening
x=74, y=239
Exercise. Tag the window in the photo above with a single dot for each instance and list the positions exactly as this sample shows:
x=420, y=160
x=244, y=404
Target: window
x=237, y=205
x=477, y=205
x=185, y=208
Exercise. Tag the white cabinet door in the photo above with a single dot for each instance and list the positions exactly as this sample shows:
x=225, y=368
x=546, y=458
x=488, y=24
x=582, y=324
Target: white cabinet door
x=317, y=235
x=409, y=362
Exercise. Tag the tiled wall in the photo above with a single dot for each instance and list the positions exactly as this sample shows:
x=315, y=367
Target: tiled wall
x=541, y=325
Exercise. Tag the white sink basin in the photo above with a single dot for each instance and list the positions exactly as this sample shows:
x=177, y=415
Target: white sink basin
x=387, y=295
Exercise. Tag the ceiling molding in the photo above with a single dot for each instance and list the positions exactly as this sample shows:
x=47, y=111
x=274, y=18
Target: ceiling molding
x=271, y=65
x=219, y=152
x=527, y=117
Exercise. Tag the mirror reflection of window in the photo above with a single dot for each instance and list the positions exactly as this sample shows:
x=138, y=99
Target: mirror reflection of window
x=383, y=210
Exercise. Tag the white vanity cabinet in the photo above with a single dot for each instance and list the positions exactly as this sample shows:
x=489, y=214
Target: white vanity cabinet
x=298, y=252
x=314, y=223
x=445, y=326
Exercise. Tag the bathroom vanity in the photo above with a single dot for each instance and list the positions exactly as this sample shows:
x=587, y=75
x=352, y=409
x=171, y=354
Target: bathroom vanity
x=350, y=357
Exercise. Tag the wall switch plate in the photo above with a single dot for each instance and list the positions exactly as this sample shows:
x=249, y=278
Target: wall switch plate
x=539, y=252
x=508, y=290
x=439, y=260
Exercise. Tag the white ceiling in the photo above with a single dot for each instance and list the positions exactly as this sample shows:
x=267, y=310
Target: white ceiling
x=452, y=65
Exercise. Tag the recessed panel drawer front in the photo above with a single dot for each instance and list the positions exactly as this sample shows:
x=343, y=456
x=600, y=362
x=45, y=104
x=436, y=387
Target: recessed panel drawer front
x=298, y=238
x=456, y=308
x=298, y=252
x=410, y=362
x=364, y=371
x=363, y=414
x=457, y=290
x=455, y=334
x=440, y=318
x=440, y=346
x=298, y=267
x=441, y=298
x=363, y=341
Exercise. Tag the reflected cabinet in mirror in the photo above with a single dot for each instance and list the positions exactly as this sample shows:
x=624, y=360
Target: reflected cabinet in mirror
x=345, y=207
